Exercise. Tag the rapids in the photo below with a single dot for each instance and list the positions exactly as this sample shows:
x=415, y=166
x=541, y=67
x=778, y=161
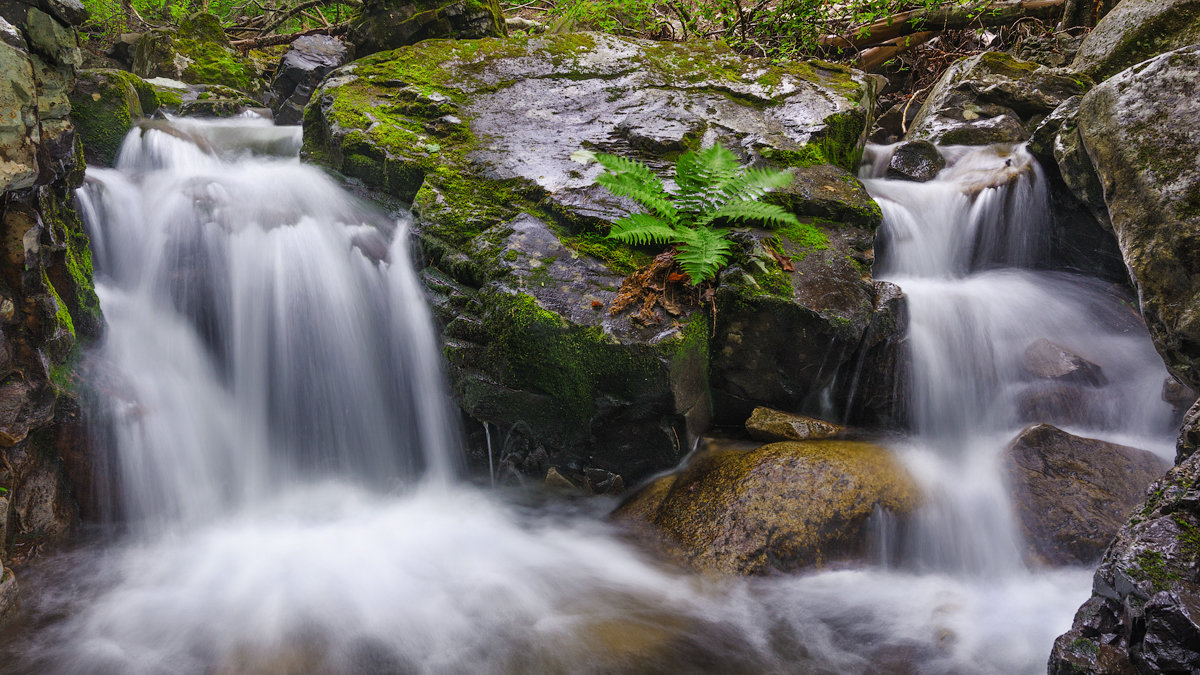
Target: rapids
x=287, y=468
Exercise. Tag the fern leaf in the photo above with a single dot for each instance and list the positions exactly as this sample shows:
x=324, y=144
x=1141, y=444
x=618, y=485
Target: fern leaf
x=749, y=185
x=699, y=173
x=630, y=178
x=640, y=229
x=741, y=211
x=702, y=252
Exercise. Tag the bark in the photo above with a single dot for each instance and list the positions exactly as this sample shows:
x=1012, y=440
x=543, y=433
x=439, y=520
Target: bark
x=871, y=59
x=272, y=40
x=978, y=14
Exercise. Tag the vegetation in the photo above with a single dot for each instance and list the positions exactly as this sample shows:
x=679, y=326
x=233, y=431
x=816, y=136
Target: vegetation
x=711, y=188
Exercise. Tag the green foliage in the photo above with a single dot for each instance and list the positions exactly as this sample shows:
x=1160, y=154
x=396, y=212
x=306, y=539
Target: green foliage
x=712, y=187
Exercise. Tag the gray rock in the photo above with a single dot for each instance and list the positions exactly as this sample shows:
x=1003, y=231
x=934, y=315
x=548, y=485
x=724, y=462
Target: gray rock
x=990, y=98
x=9, y=596
x=917, y=161
x=300, y=70
x=1141, y=617
x=1072, y=494
x=53, y=40
x=387, y=24
x=18, y=113
x=1136, y=30
x=1189, y=434
x=1140, y=129
x=1050, y=361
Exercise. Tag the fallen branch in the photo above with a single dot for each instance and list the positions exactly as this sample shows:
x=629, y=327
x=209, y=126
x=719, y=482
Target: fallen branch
x=978, y=14
x=272, y=40
x=871, y=59
x=283, y=17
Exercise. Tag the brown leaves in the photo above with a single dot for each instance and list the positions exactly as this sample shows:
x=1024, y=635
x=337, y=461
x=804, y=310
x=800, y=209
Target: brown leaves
x=659, y=285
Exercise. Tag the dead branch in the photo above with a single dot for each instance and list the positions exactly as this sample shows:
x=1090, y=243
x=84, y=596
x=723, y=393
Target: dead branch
x=272, y=40
x=290, y=12
x=978, y=14
x=871, y=59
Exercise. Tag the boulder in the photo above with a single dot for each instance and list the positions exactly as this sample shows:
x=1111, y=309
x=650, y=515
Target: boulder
x=769, y=425
x=1072, y=494
x=1140, y=129
x=781, y=507
x=1136, y=30
x=18, y=112
x=198, y=53
x=387, y=24
x=478, y=135
x=9, y=596
x=1047, y=360
x=106, y=104
x=301, y=69
x=1189, y=434
x=1142, y=615
x=917, y=161
x=990, y=98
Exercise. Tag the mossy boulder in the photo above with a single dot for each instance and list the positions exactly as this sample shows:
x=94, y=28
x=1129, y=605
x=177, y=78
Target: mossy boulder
x=198, y=53
x=1149, y=170
x=991, y=98
x=388, y=24
x=1134, y=31
x=780, y=507
x=767, y=425
x=1072, y=494
x=106, y=103
x=1144, y=612
x=478, y=136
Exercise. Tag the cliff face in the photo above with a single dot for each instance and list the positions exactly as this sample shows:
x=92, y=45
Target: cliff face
x=48, y=308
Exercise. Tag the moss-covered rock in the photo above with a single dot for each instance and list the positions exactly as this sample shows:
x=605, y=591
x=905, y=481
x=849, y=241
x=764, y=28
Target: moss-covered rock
x=1150, y=174
x=388, y=24
x=1134, y=31
x=106, y=103
x=199, y=53
x=991, y=98
x=478, y=135
x=781, y=507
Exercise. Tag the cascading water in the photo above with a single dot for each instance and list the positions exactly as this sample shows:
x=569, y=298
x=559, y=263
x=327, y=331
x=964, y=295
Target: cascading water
x=285, y=453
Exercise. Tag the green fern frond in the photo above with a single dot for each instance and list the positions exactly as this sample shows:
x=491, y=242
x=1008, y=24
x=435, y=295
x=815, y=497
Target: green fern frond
x=640, y=229
x=741, y=211
x=630, y=178
x=702, y=252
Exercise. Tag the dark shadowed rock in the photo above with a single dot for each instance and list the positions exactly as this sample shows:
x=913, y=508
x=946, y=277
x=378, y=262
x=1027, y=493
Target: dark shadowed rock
x=916, y=161
x=769, y=425
x=9, y=596
x=1072, y=494
x=387, y=24
x=1051, y=361
x=783, y=506
x=300, y=70
x=1140, y=129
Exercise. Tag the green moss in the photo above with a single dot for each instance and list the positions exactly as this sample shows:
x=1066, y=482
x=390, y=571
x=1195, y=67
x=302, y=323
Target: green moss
x=1085, y=646
x=1151, y=566
x=619, y=257
x=1189, y=536
x=805, y=234
x=62, y=316
x=213, y=63
x=105, y=116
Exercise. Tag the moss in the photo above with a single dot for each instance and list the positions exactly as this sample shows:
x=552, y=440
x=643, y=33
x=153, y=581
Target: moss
x=62, y=316
x=619, y=257
x=805, y=234
x=213, y=63
x=1152, y=567
x=1085, y=646
x=103, y=111
x=1189, y=536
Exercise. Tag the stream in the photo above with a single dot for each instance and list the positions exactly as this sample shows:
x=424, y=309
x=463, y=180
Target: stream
x=291, y=496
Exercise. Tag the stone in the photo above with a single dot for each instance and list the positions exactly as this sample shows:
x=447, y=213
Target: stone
x=917, y=161
x=1189, y=434
x=199, y=53
x=10, y=597
x=1141, y=617
x=301, y=69
x=18, y=113
x=122, y=49
x=1047, y=360
x=830, y=193
x=990, y=98
x=1140, y=130
x=478, y=135
x=1136, y=30
x=388, y=24
x=769, y=425
x=106, y=105
x=875, y=385
x=1072, y=494
x=52, y=39
x=782, y=507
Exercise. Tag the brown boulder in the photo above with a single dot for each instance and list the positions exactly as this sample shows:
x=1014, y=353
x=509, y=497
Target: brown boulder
x=768, y=425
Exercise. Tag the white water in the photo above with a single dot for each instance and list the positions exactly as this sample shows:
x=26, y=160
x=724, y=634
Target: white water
x=276, y=394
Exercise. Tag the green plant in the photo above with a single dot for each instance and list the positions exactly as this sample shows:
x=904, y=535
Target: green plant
x=711, y=187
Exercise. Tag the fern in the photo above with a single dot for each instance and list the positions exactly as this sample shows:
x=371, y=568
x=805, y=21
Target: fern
x=711, y=186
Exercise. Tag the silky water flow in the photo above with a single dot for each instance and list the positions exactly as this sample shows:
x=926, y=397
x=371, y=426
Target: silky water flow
x=285, y=456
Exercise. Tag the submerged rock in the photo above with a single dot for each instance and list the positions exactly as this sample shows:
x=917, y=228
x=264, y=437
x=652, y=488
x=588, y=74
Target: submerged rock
x=1051, y=361
x=1134, y=31
x=780, y=507
x=769, y=425
x=917, y=161
x=478, y=135
x=1150, y=172
x=1142, y=616
x=1073, y=493
x=990, y=98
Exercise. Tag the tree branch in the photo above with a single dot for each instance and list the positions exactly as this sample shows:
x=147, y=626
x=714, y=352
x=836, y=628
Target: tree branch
x=272, y=40
x=986, y=13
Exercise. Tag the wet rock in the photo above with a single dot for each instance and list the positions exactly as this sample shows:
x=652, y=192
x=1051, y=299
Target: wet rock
x=780, y=507
x=1150, y=173
x=828, y=192
x=1062, y=403
x=1141, y=617
x=309, y=59
x=1189, y=434
x=387, y=24
x=1134, y=31
x=9, y=596
x=1051, y=361
x=1179, y=395
x=916, y=161
x=1072, y=494
x=479, y=134
x=198, y=53
x=875, y=385
x=990, y=98
x=769, y=425
x=106, y=105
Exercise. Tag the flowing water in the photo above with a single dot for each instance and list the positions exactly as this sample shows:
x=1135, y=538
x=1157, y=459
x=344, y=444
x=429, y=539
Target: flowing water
x=285, y=453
